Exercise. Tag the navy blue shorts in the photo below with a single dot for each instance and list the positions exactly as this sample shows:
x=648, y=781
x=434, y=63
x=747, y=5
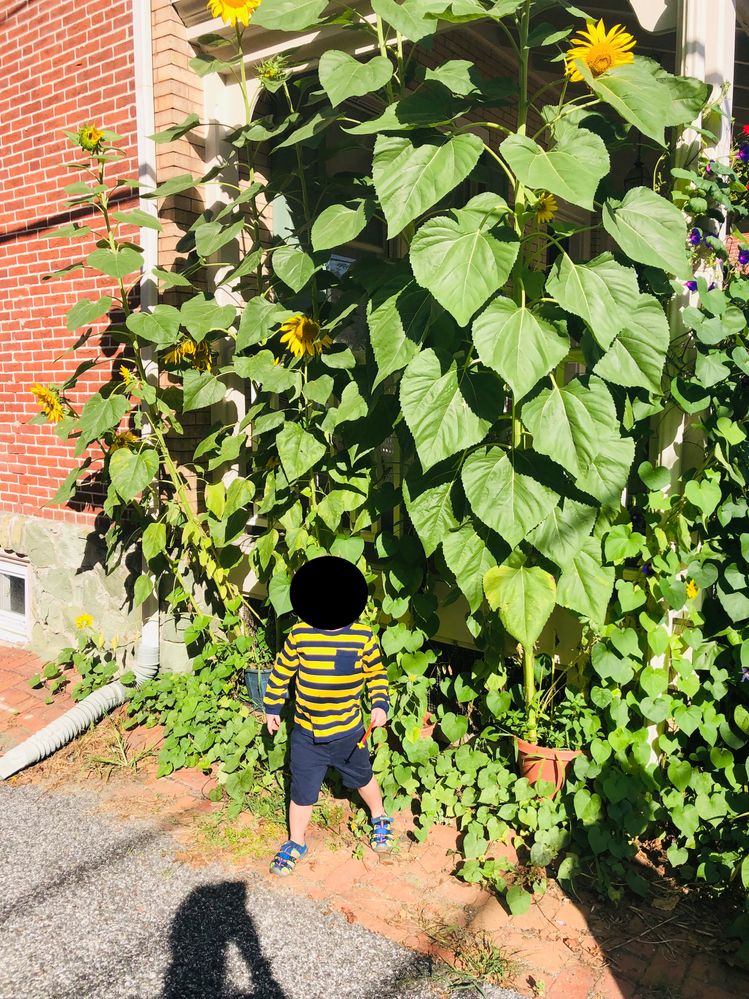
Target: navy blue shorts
x=310, y=761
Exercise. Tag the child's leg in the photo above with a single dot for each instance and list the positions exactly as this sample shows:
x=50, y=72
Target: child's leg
x=299, y=816
x=372, y=798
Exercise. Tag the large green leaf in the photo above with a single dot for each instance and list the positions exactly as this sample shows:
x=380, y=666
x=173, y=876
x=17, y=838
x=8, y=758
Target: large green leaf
x=600, y=293
x=565, y=425
x=562, y=533
x=258, y=318
x=688, y=94
x=634, y=92
x=273, y=377
x=637, y=356
x=519, y=345
x=410, y=179
x=201, y=389
x=649, y=229
x=430, y=508
x=607, y=474
x=100, y=414
x=585, y=585
x=572, y=168
x=461, y=263
x=409, y=18
x=508, y=501
x=132, y=471
x=87, y=311
x=339, y=224
x=211, y=236
x=288, y=15
x=117, y=264
x=468, y=559
x=293, y=266
x=437, y=413
x=398, y=314
x=201, y=315
x=342, y=76
x=524, y=598
x=161, y=326
x=298, y=450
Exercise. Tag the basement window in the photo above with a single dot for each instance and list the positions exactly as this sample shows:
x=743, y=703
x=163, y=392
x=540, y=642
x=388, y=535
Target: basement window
x=14, y=601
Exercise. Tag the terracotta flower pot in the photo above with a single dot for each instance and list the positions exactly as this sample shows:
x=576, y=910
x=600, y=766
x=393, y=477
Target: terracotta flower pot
x=428, y=726
x=539, y=763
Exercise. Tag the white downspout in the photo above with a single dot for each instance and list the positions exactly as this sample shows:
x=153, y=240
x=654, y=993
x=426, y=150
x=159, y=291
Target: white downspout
x=146, y=126
x=78, y=719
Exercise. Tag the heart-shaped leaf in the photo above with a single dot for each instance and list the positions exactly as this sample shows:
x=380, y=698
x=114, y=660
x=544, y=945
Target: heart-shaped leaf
x=650, y=230
x=524, y=598
x=517, y=344
x=571, y=168
x=461, y=263
x=343, y=77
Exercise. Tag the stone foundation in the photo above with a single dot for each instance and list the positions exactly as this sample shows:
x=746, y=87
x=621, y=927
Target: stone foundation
x=67, y=578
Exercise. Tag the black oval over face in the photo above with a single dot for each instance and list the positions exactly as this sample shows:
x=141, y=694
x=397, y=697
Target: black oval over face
x=328, y=592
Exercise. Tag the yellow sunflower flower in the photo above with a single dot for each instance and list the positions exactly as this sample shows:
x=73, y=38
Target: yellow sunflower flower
x=83, y=621
x=178, y=353
x=546, y=208
x=692, y=589
x=126, y=374
x=231, y=11
x=90, y=138
x=302, y=336
x=599, y=49
x=49, y=402
x=124, y=439
x=203, y=360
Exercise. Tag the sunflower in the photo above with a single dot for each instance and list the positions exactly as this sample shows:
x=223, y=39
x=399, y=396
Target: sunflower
x=692, y=589
x=126, y=374
x=83, y=621
x=49, y=402
x=546, y=207
x=203, y=360
x=124, y=439
x=302, y=335
x=90, y=138
x=599, y=50
x=231, y=11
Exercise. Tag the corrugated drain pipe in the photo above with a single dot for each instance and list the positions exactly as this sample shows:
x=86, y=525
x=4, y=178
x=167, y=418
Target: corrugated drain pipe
x=75, y=721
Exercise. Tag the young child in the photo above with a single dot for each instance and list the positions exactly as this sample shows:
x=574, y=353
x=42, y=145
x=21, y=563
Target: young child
x=332, y=655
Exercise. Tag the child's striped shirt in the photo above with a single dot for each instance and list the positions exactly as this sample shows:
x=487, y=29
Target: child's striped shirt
x=331, y=668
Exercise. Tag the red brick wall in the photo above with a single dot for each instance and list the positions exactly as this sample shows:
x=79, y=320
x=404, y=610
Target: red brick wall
x=64, y=63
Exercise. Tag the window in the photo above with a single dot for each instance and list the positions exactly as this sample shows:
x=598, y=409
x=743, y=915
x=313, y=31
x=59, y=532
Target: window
x=14, y=601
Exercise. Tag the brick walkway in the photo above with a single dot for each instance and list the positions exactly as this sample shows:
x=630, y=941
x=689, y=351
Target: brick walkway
x=571, y=950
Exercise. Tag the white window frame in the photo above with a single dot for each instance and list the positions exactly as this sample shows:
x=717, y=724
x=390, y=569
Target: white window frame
x=16, y=628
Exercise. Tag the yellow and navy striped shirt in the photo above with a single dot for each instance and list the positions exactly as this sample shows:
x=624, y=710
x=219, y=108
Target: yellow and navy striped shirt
x=331, y=668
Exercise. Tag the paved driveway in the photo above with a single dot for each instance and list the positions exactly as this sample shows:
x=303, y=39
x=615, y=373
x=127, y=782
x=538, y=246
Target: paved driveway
x=96, y=907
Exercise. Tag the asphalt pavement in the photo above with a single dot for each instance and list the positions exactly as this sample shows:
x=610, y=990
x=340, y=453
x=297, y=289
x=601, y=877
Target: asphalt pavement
x=92, y=906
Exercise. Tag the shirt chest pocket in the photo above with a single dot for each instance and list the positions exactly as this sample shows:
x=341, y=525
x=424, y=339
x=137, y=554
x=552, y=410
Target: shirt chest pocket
x=346, y=662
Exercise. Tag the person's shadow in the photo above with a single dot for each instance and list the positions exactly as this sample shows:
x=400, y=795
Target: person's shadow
x=205, y=924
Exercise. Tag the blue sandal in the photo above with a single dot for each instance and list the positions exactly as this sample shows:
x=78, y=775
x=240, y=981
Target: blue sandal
x=382, y=839
x=285, y=860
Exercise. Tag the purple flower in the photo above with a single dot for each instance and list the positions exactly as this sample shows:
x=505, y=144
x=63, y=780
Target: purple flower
x=745, y=674
x=712, y=285
x=709, y=167
x=690, y=285
x=744, y=257
x=695, y=237
x=647, y=569
x=744, y=152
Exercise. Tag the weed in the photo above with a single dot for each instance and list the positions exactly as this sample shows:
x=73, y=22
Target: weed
x=120, y=746
x=475, y=956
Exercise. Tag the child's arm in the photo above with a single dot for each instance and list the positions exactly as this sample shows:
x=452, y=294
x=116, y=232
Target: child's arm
x=285, y=666
x=375, y=675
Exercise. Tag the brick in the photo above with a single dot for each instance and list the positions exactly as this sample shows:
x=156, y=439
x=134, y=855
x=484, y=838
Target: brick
x=612, y=985
x=573, y=982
